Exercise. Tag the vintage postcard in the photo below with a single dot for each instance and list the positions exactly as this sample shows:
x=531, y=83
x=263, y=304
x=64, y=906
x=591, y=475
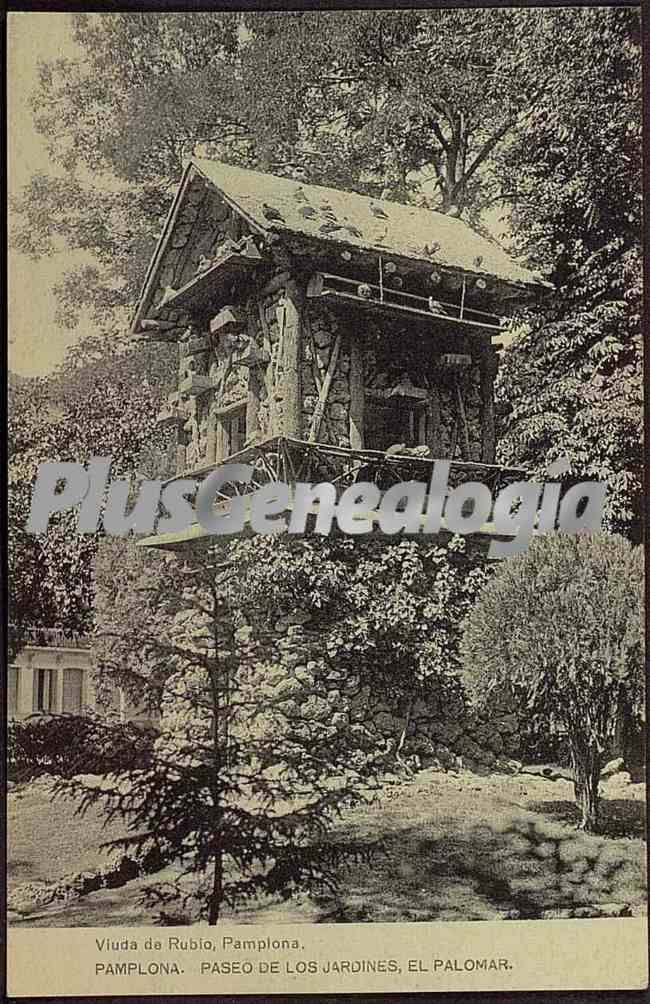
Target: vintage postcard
x=326, y=663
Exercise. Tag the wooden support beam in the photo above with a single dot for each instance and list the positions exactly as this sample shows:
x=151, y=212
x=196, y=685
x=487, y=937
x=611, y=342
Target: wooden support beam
x=268, y=373
x=253, y=405
x=292, y=377
x=489, y=363
x=319, y=410
x=357, y=397
x=181, y=452
x=211, y=444
x=462, y=420
x=434, y=439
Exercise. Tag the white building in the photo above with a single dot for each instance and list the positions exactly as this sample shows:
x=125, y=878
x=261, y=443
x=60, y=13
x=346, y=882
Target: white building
x=54, y=674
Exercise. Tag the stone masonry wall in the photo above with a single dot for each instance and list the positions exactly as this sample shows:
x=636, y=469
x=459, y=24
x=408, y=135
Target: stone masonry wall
x=301, y=691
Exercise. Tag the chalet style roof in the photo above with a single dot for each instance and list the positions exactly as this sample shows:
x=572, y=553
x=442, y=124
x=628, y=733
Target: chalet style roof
x=274, y=205
x=349, y=218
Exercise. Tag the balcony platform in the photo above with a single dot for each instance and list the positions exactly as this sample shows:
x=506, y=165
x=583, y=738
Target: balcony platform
x=291, y=460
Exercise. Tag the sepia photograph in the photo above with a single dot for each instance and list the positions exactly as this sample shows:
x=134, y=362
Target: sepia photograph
x=326, y=664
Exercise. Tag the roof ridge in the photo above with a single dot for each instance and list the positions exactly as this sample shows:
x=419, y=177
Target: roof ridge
x=196, y=161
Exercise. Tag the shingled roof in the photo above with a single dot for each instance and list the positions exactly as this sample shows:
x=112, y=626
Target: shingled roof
x=374, y=224
x=281, y=205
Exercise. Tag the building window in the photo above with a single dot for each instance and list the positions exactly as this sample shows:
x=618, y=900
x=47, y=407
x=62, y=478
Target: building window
x=72, y=690
x=12, y=691
x=234, y=431
x=397, y=420
x=44, y=690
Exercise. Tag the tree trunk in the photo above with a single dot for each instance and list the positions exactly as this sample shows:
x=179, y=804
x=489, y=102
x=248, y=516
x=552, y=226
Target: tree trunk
x=586, y=768
x=216, y=896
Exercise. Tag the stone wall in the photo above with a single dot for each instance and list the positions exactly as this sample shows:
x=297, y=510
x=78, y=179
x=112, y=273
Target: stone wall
x=301, y=692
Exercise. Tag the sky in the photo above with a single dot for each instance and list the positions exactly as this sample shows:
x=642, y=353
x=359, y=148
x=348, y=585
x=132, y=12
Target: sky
x=36, y=343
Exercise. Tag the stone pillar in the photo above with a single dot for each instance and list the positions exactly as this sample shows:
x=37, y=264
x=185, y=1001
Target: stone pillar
x=357, y=396
x=57, y=703
x=88, y=688
x=26, y=683
x=292, y=389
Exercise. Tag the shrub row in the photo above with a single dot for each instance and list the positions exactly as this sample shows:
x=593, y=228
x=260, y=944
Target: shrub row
x=65, y=745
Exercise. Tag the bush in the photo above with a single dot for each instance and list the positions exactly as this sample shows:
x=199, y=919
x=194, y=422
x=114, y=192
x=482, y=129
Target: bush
x=66, y=745
x=539, y=746
x=561, y=626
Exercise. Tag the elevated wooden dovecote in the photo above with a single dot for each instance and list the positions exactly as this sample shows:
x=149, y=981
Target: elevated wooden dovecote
x=379, y=298
x=327, y=321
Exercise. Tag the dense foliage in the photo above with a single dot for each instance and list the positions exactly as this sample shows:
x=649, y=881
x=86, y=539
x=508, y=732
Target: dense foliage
x=573, y=379
x=388, y=613
x=65, y=745
x=99, y=403
x=563, y=626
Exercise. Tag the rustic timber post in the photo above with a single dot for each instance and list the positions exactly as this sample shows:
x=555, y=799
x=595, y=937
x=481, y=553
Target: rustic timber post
x=253, y=405
x=489, y=364
x=433, y=421
x=357, y=397
x=292, y=353
x=211, y=439
x=221, y=445
x=181, y=452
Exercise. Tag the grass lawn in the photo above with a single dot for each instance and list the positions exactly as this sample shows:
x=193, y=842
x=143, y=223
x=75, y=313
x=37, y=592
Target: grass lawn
x=454, y=847
x=46, y=840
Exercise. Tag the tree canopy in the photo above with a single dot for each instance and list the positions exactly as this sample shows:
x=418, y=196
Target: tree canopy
x=562, y=626
x=99, y=403
x=573, y=379
x=412, y=104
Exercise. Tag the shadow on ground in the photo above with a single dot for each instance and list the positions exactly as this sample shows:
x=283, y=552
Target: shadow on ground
x=465, y=852
x=620, y=817
x=451, y=847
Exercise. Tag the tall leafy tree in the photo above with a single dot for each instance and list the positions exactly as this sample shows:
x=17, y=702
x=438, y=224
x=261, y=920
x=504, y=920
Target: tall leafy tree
x=99, y=403
x=573, y=379
x=411, y=104
x=562, y=626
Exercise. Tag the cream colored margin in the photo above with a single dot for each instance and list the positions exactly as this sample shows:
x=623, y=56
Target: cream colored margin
x=606, y=954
